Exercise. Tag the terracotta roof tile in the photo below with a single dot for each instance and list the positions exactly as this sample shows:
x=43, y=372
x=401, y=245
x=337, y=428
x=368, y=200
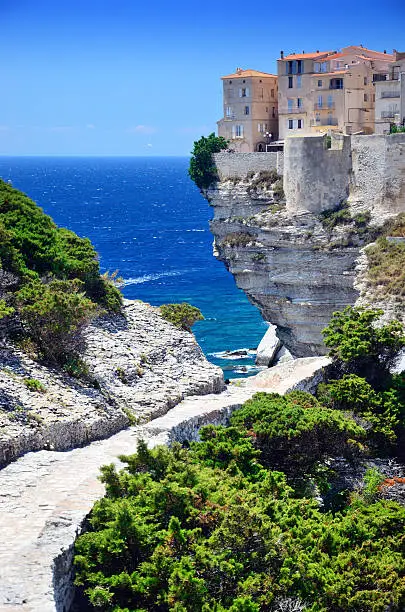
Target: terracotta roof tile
x=294, y=56
x=248, y=73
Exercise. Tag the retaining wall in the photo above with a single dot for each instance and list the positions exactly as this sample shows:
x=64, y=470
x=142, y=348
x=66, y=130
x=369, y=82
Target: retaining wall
x=231, y=165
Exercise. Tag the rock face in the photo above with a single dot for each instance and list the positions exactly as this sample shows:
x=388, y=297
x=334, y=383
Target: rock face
x=291, y=267
x=140, y=366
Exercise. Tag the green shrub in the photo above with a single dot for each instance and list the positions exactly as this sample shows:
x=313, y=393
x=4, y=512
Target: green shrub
x=76, y=367
x=53, y=314
x=385, y=410
x=294, y=432
x=34, y=385
x=181, y=315
x=359, y=346
x=278, y=189
x=187, y=530
x=202, y=169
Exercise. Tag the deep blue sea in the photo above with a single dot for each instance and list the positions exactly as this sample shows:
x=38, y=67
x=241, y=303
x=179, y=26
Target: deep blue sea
x=148, y=220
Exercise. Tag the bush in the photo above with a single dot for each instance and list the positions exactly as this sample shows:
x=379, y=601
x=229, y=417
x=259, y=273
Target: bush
x=202, y=169
x=384, y=410
x=357, y=345
x=238, y=239
x=181, y=315
x=294, y=432
x=175, y=533
x=53, y=314
x=34, y=385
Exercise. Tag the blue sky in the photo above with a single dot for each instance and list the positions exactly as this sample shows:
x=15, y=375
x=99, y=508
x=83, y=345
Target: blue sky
x=143, y=77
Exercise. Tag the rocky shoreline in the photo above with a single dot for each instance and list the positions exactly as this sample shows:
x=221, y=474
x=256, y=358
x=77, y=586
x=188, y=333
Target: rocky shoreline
x=140, y=366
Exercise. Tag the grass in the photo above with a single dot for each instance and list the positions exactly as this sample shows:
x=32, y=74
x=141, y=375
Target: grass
x=387, y=268
x=235, y=239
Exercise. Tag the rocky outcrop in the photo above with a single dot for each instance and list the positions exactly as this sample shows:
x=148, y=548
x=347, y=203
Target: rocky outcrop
x=140, y=366
x=268, y=347
x=294, y=268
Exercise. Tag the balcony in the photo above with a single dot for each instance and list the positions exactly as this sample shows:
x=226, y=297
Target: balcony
x=324, y=106
x=392, y=76
x=390, y=94
x=324, y=122
x=292, y=110
x=389, y=114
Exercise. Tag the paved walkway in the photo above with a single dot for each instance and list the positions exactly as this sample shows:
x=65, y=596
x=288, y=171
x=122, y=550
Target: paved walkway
x=44, y=496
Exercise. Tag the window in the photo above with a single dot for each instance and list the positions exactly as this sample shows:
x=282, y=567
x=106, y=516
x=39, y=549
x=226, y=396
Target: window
x=246, y=111
x=272, y=93
x=229, y=93
x=319, y=83
x=320, y=101
x=330, y=101
x=290, y=82
x=244, y=92
x=299, y=102
x=317, y=67
x=237, y=131
x=262, y=127
x=299, y=81
x=336, y=84
x=300, y=65
x=317, y=117
x=274, y=111
x=291, y=67
x=324, y=67
x=290, y=124
x=228, y=111
x=260, y=90
x=300, y=124
x=365, y=98
x=373, y=97
x=290, y=103
x=330, y=119
x=365, y=80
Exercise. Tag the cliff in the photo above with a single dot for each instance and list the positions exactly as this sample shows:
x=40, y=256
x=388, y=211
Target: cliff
x=291, y=229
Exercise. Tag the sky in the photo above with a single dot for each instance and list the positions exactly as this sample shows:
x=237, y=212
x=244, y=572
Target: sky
x=142, y=77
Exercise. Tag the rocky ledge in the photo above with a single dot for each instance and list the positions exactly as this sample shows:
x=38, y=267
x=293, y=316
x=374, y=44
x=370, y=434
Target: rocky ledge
x=140, y=366
x=296, y=268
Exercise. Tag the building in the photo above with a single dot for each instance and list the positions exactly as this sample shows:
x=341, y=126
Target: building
x=250, y=117
x=329, y=90
x=390, y=95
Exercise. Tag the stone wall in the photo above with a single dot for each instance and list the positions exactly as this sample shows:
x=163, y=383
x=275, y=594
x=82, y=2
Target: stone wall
x=366, y=170
x=230, y=165
x=378, y=174
x=315, y=178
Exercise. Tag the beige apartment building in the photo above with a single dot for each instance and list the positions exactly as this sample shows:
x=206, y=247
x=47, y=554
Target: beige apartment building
x=250, y=119
x=329, y=90
x=390, y=95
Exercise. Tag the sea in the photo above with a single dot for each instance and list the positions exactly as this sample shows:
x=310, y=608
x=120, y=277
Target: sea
x=147, y=220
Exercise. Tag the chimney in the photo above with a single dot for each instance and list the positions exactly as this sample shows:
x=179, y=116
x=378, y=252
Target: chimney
x=385, y=50
x=303, y=51
x=317, y=50
x=282, y=54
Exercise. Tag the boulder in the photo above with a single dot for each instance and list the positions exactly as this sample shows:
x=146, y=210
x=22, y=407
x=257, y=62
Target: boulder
x=268, y=347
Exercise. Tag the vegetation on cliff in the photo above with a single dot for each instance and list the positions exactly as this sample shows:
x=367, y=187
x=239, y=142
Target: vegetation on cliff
x=232, y=524
x=181, y=315
x=50, y=281
x=202, y=169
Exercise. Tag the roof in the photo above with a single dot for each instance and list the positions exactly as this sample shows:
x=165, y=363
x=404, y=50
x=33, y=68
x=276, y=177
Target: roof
x=294, y=56
x=248, y=73
x=381, y=54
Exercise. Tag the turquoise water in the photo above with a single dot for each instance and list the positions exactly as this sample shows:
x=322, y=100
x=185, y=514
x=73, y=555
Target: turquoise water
x=148, y=220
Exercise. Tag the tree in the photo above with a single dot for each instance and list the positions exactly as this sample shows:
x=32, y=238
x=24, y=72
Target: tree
x=358, y=345
x=202, y=169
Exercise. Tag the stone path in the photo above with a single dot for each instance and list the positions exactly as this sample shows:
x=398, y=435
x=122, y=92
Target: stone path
x=45, y=496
